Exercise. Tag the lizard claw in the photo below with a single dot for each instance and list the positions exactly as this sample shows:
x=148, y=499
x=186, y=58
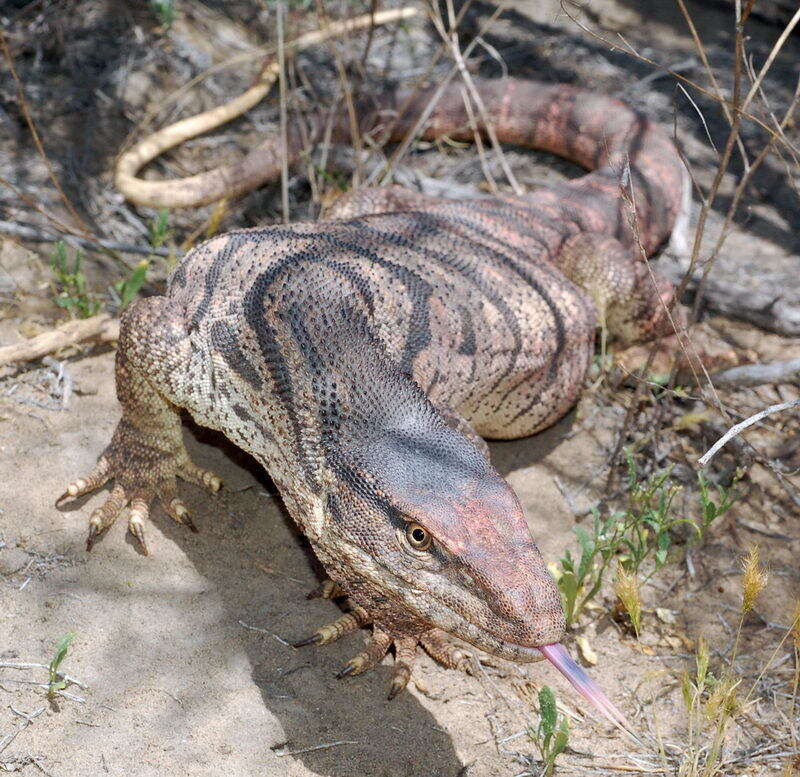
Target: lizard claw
x=144, y=482
x=98, y=477
x=436, y=643
x=372, y=655
x=405, y=653
x=179, y=513
x=400, y=678
x=94, y=533
x=348, y=669
x=105, y=515
x=139, y=514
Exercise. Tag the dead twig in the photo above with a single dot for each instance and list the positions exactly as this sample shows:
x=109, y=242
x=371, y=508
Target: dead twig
x=102, y=327
x=39, y=235
x=29, y=719
x=317, y=747
x=237, y=178
x=23, y=104
x=280, y=11
x=750, y=375
x=455, y=49
x=740, y=427
x=683, y=79
x=423, y=117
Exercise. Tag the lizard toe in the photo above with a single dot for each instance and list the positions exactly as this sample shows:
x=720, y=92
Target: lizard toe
x=140, y=512
x=327, y=590
x=368, y=658
x=105, y=515
x=441, y=648
x=177, y=510
x=405, y=653
x=330, y=632
x=205, y=478
x=98, y=477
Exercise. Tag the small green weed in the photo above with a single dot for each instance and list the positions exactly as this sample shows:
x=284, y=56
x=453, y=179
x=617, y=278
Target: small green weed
x=336, y=178
x=552, y=734
x=641, y=535
x=159, y=229
x=56, y=680
x=72, y=294
x=129, y=287
x=165, y=11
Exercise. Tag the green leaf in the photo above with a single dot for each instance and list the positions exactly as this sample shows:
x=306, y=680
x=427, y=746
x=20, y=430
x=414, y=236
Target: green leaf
x=129, y=288
x=55, y=683
x=562, y=739
x=569, y=586
x=547, y=710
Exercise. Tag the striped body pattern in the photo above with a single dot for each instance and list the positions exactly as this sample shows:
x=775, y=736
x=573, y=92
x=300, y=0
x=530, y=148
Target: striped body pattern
x=362, y=358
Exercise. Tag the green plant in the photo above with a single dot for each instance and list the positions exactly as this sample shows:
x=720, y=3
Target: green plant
x=165, y=11
x=159, y=229
x=336, y=178
x=642, y=534
x=159, y=233
x=129, y=287
x=56, y=681
x=72, y=294
x=552, y=734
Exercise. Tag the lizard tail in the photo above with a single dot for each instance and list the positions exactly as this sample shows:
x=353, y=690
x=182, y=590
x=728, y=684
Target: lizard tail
x=262, y=164
x=629, y=155
x=638, y=190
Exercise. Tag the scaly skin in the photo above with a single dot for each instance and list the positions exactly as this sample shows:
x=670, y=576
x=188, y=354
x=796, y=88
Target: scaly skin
x=361, y=359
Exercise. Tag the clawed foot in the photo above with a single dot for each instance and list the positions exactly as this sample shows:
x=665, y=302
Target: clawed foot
x=436, y=643
x=139, y=480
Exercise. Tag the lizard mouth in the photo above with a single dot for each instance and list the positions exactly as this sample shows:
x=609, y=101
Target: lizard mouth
x=558, y=656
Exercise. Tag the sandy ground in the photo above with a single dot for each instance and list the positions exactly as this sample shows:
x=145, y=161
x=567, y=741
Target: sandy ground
x=184, y=653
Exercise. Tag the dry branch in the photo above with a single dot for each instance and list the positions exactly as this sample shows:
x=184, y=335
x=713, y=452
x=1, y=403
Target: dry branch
x=225, y=180
x=39, y=235
x=102, y=328
x=740, y=427
x=750, y=375
x=767, y=311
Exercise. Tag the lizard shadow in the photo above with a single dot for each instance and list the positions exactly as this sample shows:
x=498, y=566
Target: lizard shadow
x=510, y=455
x=262, y=568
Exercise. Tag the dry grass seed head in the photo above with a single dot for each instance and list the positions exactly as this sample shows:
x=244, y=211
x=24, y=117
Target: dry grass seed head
x=723, y=701
x=795, y=625
x=754, y=578
x=627, y=590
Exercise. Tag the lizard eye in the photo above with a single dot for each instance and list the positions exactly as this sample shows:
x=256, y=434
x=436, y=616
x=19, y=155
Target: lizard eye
x=417, y=537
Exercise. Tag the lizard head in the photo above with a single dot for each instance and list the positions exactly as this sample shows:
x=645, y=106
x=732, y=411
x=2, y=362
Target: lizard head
x=424, y=532
x=431, y=530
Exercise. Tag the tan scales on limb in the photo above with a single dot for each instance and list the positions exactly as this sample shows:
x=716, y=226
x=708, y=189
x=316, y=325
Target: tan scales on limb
x=146, y=454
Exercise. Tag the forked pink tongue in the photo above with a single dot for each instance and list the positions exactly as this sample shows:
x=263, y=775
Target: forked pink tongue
x=557, y=655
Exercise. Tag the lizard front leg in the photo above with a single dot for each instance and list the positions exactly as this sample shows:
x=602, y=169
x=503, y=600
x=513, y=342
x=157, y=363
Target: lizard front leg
x=146, y=454
x=435, y=642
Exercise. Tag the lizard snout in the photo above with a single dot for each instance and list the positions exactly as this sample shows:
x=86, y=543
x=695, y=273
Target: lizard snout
x=521, y=595
x=503, y=568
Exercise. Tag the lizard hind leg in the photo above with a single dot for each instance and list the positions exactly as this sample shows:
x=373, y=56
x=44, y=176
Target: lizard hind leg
x=146, y=454
x=631, y=300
